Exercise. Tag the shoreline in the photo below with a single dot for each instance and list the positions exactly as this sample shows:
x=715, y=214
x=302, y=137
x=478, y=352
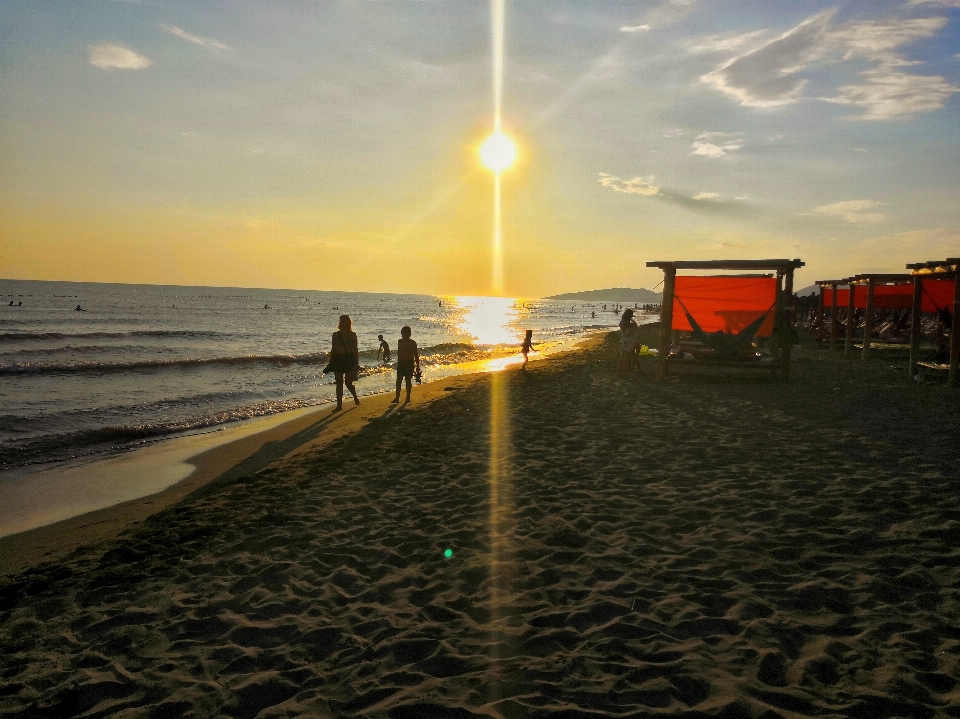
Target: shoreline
x=312, y=428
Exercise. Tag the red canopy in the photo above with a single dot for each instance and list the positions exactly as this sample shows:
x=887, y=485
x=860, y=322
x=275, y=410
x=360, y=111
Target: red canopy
x=937, y=294
x=724, y=303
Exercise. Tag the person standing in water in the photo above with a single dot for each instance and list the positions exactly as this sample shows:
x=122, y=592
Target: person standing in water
x=526, y=347
x=345, y=359
x=384, y=349
x=408, y=357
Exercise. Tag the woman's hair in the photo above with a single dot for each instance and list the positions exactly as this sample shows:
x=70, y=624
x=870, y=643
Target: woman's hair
x=405, y=331
x=529, y=333
x=625, y=320
x=345, y=324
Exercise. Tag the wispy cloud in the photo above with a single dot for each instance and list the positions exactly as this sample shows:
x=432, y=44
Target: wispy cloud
x=724, y=42
x=636, y=186
x=110, y=56
x=207, y=42
x=889, y=94
x=712, y=144
x=771, y=75
x=935, y=3
x=634, y=28
x=855, y=212
x=703, y=202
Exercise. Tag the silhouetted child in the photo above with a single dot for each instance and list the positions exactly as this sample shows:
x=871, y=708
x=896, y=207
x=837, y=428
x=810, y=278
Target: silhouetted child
x=408, y=358
x=384, y=349
x=526, y=347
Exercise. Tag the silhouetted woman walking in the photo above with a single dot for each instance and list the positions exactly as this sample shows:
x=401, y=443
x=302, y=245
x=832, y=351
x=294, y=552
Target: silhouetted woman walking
x=344, y=359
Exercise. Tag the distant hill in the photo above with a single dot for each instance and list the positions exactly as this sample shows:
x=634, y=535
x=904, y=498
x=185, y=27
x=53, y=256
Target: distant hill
x=614, y=294
x=808, y=291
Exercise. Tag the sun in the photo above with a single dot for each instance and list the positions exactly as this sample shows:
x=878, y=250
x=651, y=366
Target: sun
x=498, y=152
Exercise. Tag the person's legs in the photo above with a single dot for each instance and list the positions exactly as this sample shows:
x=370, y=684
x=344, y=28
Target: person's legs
x=399, y=383
x=339, y=378
x=407, y=378
x=353, y=391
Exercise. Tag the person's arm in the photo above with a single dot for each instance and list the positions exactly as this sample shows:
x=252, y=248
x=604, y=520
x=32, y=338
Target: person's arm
x=416, y=354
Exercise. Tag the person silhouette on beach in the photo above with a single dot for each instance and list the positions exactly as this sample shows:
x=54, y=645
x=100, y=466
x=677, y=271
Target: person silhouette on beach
x=344, y=359
x=78, y=308
x=628, y=344
x=384, y=349
x=526, y=347
x=408, y=357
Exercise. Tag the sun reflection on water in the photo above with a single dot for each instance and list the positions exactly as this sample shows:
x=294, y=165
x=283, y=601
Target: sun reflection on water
x=490, y=320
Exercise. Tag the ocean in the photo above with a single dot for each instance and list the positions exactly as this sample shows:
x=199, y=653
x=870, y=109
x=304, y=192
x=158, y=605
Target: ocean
x=139, y=362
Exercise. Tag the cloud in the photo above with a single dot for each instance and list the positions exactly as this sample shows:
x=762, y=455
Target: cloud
x=888, y=94
x=725, y=42
x=703, y=203
x=935, y=3
x=634, y=28
x=770, y=76
x=675, y=132
x=854, y=212
x=207, y=42
x=703, y=145
x=635, y=186
x=877, y=39
x=110, y=56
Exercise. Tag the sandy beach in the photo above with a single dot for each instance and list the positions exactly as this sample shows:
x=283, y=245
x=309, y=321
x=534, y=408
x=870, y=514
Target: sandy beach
x=555, y=542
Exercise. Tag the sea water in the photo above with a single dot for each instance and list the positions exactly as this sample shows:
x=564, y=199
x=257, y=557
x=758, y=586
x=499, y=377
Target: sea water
x=139, y=362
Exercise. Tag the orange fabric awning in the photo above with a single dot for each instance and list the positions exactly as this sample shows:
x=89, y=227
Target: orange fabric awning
x=937, y=294
x=724, y=303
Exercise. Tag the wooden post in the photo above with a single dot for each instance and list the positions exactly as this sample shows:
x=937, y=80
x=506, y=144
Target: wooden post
x=666, y=320
x=868, y=321
x=953, y=378
x=788, y=322
x=851, y=311
x=820, y=334
x=915, y=316
x=833, y=318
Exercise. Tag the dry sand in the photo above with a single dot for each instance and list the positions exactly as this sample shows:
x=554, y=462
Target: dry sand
x=709, y=546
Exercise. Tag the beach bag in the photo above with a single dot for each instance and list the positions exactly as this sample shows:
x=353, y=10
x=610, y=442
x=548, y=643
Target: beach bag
x=341, y=363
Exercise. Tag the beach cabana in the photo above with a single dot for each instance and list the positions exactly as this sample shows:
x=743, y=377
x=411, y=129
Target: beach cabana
x=872, y=292
x=935, y=289
x=724, y=308
x=830, y=296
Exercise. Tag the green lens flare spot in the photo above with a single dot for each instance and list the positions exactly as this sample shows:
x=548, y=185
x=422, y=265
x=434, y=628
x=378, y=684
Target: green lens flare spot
x=448, y=553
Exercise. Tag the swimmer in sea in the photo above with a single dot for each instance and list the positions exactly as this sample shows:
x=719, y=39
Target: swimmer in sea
x=384, y=350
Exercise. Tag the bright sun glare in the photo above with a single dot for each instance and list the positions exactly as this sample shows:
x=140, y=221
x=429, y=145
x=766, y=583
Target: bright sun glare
x=498, y=152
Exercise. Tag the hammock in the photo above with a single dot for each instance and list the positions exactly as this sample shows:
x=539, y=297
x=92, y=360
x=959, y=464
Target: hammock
x=726, y=345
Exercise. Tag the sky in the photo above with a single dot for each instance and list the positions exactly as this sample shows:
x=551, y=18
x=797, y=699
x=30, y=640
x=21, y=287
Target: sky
x=333, y=145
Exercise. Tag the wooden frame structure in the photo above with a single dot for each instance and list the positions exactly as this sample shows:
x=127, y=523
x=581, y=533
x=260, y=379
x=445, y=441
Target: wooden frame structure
x=833, y=285
x=784, y=269
x=937, y=269
x=871, y=281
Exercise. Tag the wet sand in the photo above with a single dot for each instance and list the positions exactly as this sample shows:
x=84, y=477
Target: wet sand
x=715, y=545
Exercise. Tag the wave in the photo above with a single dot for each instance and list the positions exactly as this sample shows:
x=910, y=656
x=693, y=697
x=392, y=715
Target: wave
x=72, y=367
x=26, y=336
x=60, y=446
x=444, y=353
